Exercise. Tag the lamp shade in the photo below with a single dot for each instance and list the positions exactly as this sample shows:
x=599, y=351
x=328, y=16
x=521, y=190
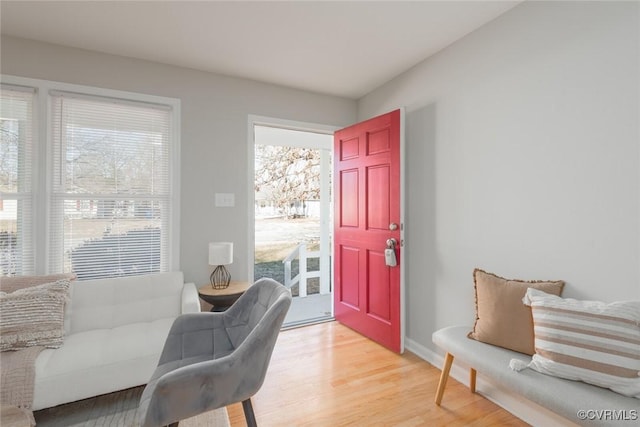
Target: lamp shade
x=220, y=253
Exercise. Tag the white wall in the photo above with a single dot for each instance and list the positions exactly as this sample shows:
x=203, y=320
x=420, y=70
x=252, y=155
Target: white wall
x=523, y=150
x=215, y=110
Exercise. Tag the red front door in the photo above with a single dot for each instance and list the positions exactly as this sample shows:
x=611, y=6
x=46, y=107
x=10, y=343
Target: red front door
x=367, y=294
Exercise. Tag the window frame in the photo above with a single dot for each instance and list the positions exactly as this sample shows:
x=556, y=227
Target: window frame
x=26, y=220
x=42, y=162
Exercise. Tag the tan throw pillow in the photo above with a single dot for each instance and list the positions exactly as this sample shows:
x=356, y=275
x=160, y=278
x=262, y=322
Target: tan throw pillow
x=501, y=317
x=33, y=316
x=589, y=341
x=12, y=284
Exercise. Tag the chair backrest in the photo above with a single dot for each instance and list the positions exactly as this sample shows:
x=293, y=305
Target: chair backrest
x=211, y=360
x=253, y=324
x=264, y=304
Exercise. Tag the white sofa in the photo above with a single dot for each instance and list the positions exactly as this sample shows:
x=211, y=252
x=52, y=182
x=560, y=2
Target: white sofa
x=115, y=330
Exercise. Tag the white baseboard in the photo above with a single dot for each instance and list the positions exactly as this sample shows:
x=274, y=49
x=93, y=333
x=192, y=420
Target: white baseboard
x=528, y=411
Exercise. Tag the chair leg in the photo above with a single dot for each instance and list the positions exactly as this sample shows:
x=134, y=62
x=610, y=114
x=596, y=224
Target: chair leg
x=444, y=376
x=472, y=380
x=248, y=413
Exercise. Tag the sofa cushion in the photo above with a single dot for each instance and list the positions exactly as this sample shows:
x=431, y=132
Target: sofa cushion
x=33, y=316
x=501, y=318
x=109, y=303
x=93, y=361
x=588, y=341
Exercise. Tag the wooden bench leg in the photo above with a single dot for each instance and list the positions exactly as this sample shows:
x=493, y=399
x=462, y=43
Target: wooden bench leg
x=444, y=376
x=472, y=380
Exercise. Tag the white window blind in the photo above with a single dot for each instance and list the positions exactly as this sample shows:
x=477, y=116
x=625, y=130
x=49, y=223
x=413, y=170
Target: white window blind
x=16, y=181
x=111, y=193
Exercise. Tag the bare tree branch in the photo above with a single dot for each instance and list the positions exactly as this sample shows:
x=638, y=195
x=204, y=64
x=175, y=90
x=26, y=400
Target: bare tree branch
x=287, y=174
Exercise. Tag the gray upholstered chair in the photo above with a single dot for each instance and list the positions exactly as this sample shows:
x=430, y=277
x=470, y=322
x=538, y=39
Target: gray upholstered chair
x=211, y=360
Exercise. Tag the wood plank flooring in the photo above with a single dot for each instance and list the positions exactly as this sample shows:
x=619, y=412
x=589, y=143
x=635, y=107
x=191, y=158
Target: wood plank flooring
x=328, y=375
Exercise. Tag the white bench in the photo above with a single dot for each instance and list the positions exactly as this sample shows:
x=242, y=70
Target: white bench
x=600, y=406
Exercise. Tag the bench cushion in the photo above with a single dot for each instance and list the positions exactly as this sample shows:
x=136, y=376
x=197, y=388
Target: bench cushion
x=563, y=397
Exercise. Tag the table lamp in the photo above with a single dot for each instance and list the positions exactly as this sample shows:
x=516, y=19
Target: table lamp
x=220, y=254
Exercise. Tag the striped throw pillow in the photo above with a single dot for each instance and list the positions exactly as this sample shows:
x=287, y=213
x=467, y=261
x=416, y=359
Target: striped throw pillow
x=587, y=341
x=33, y=316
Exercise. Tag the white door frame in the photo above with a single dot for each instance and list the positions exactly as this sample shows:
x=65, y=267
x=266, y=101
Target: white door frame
x=326, y=225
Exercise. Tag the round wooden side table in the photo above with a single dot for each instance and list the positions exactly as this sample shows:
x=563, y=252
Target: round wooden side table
x=222, y=299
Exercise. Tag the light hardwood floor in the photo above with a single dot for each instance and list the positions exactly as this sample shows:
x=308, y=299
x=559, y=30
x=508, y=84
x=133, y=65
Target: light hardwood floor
x=328, y=375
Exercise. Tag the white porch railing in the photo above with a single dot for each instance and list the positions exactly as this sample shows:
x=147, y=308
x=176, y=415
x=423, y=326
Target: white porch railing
x=302, y=254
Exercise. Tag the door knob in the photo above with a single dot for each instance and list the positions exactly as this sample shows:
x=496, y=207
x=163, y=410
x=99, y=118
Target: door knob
x=393, y=226
x=391, y=243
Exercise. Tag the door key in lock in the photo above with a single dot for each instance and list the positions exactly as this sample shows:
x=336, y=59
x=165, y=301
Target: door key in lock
x=390, y=253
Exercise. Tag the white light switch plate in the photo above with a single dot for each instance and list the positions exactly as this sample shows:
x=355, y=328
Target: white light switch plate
x=225, y=200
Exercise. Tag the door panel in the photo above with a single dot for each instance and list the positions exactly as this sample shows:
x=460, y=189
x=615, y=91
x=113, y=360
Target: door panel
x=379, y=280
x=367, y=294
x=378, y=142
x=349, y=198
x=377, y=203
x=350, y=274
x=349, y=149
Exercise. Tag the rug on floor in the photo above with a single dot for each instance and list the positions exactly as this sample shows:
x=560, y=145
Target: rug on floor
x=115, y=410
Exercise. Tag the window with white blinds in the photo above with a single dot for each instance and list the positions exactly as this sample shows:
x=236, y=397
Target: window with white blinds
x=16, y=180
x=111, y=201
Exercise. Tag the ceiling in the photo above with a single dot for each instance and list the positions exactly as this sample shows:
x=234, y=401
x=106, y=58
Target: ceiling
x=342, y=48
